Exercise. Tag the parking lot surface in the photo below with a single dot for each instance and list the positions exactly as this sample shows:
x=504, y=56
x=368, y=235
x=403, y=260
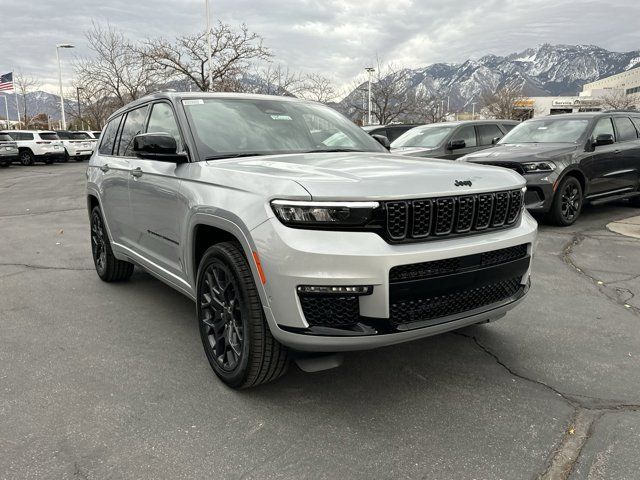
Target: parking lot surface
x=110, y=380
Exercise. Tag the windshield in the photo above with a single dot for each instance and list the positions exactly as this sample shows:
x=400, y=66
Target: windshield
x=547, y=131
x=225, y=127
x=428, y=136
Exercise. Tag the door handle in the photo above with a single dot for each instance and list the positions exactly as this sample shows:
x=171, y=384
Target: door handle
x=105, y=168
x=136, y=172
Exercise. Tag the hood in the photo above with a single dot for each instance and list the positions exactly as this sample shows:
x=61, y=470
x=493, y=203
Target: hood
x=514, y=152
x=413, y=151
x=369, y=175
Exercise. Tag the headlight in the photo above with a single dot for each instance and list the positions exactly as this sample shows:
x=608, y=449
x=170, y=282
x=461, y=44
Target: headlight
x=538, y=167
x=349, y=214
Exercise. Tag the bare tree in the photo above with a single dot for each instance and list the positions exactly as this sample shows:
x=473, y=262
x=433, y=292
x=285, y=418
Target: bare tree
x=391, y=96
x=274, y=80
x=428, y=106
x=318, y=88
x=24, y=84
x=619, y=100
x=502, y=103
x=117, y=70
x=186, y=58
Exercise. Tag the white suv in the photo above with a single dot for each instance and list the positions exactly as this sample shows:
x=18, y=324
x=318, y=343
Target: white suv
x=78, y=145
x=37, y=146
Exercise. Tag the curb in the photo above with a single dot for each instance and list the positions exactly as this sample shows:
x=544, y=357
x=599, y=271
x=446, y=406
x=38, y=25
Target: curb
x=629, y=227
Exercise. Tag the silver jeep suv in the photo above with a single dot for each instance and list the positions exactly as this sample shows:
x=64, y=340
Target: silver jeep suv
x=297, y=234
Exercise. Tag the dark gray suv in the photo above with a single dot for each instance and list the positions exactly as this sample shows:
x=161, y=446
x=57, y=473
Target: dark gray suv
x=450, y=140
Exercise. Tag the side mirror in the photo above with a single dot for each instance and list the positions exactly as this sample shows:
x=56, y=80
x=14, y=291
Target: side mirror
x=457, y=144
x=603, y=139
x=158, y=146
x=495, y=140
x=383, y=140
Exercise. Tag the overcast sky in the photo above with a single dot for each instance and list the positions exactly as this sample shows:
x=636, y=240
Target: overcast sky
x=337, y=37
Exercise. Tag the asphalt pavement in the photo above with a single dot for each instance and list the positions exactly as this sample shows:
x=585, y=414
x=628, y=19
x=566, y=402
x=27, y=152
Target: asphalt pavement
x=109, y=381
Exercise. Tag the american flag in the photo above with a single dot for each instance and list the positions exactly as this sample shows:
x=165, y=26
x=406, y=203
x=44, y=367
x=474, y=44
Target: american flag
x=6, y=82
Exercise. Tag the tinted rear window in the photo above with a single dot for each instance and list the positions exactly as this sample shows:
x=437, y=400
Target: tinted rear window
x=487, y=133
x=625, y=129
x=49, y=136
x=79, y=135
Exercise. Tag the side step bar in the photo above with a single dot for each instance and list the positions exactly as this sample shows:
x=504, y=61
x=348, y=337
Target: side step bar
x=622, y=196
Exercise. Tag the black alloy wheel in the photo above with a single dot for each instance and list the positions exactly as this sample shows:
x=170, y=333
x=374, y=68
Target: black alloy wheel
x=108, y=267
x=236, y=338
x=222, y=315
x=567, y=203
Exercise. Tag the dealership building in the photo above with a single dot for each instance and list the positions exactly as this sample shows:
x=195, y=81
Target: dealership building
x=589, y=100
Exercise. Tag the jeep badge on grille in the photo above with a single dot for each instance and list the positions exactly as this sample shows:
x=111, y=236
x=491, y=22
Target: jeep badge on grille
x=461, y=183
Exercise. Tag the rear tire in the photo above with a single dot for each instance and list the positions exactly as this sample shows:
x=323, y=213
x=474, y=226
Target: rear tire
x=567, y=202
x=108, y=267
x=234, y=332
x=26, y=158
x=635, y=201
x=48, y=161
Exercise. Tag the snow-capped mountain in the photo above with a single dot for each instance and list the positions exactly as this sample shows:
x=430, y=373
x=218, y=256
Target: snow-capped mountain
x=543, y=70
x=39, y=102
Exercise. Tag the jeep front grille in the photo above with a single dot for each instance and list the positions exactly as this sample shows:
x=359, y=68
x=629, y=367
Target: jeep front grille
x=412, y=220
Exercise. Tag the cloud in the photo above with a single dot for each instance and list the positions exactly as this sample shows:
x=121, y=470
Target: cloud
x=337, y=38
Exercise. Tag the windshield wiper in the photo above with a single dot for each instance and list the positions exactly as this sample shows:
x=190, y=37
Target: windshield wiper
x=332, y=150
x=235, y=155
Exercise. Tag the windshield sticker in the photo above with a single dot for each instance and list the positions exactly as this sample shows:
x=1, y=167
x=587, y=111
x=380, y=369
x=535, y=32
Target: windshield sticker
x=197, y=101
x=280, y=117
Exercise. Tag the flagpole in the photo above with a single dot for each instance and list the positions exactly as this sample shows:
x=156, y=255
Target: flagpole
x=15, y=94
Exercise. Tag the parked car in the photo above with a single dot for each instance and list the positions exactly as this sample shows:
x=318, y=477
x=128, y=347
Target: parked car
x=78, y=145
x=451, y=140
x=8, y=150
x=391, y=131
x=288, y=245
x=37, y=146
x=571, y=159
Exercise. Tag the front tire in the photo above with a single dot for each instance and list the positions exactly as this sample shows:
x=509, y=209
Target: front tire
x=108, y=267
x=567, y=202
x=234, y=332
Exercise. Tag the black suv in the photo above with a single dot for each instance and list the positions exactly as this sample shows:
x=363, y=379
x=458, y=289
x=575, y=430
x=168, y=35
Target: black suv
x=392, y=131
x=451, y=140
x=571, y=159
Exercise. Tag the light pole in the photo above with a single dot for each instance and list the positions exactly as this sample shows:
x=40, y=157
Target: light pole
x=79, y=109
x=6, y=109
x=473, y=110
x=58, y=47
x=208, y=13
x=370, y=71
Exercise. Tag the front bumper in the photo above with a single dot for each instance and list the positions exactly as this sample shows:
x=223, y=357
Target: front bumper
x=292, y=257
x=540, y=190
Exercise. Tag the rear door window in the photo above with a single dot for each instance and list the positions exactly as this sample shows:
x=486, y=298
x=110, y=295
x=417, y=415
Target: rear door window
x=603, y=127
x=133, y=125
x=636, y=122
x=468, y=134
x=625, y=129
x=486, y=133
x=24, y=136
x=109, y=137
x=507, y=127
